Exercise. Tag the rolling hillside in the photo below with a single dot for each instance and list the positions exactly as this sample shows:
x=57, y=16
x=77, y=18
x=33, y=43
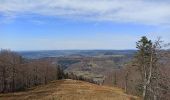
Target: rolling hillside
x=69, y=90
x=71, y=53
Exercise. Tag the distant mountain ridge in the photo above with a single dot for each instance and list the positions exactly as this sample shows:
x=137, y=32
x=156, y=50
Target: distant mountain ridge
x=63, y=53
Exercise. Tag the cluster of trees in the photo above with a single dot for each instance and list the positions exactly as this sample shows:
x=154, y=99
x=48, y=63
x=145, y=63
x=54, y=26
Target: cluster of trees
x=147, y=75
x=73, y=76
x=147, y=62
x=17, y=73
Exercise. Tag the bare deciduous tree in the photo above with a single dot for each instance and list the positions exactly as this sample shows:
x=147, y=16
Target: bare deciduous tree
x=17, y=73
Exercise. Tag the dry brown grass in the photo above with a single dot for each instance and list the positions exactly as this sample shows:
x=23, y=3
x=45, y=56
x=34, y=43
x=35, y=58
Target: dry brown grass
x=69, y=90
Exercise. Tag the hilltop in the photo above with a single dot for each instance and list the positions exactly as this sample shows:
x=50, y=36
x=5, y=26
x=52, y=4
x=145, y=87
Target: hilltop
x=69, y=90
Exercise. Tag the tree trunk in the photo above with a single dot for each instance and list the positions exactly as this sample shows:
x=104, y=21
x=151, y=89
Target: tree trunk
x=4, y=80
x=126, y=82
x=145, y=83
x=144, y=92
x=13, y=79
x=155, y=97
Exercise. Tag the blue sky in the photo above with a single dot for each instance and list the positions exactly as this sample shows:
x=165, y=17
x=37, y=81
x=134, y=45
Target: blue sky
x=81, y=24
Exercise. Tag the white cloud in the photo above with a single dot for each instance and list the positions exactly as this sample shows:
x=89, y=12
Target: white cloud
x=134, y=11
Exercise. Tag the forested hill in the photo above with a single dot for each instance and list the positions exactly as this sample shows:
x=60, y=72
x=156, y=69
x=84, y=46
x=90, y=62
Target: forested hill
x=63, y=53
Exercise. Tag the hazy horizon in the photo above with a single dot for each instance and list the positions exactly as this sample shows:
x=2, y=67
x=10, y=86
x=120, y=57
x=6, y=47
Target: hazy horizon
x=76, y=50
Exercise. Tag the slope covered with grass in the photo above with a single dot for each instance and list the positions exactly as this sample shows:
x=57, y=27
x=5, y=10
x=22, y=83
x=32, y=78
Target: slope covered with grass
x=69, y=90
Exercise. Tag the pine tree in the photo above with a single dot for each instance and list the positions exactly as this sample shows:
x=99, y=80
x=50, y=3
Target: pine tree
x=146, y=60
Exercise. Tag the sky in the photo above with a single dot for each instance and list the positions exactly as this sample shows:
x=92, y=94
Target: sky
x=81, y=24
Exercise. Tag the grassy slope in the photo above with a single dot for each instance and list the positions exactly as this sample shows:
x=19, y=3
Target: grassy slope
x=69, y=90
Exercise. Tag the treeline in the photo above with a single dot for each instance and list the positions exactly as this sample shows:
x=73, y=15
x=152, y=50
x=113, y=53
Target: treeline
x=148, y=74
x=17, y=73
x=73, y=76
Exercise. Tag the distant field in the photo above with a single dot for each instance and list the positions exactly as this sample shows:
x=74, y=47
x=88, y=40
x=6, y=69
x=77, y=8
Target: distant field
x=69, y=90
